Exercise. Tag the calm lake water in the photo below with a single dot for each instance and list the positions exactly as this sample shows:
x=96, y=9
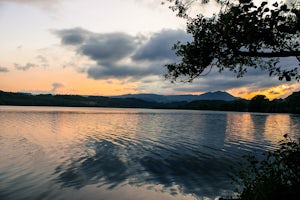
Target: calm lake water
x=102, y=153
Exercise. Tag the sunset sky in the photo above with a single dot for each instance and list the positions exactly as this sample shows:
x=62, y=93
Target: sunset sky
x=97, y=47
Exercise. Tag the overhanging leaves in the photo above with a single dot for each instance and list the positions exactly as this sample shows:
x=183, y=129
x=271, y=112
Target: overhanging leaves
x=242, y=35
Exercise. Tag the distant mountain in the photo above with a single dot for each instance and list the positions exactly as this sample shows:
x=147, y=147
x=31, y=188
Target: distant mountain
x=224, y=96
x=145, y=97
x=217, y=96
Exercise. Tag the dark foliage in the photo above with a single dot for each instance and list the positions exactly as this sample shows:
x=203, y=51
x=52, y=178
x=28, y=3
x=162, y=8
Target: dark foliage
x=236, y=105
x=241, y=36
x=276, y=176
x=293, y=102
x=259, y=103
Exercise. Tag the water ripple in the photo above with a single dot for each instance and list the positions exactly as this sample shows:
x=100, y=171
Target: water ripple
x=73, y=153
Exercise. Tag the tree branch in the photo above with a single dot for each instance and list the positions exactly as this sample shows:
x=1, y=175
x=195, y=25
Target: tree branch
x=269, y=54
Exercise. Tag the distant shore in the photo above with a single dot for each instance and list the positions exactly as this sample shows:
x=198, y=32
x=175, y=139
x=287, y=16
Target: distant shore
x=290, y=104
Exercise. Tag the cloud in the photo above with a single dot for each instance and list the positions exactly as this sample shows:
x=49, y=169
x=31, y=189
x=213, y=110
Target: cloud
x=121, y=72
x=3, y=69
x=108, y=48
x=159, y=46
x=54, y=90
x=103, y=48
x=55, y=87
x=42, y=60
x=74, y=36
x=120, y=55
x=254, y=80
x=24, y=67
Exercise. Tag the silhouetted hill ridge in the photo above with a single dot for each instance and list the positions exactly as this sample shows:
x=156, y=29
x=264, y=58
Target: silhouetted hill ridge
x=208, y=101
x=219, y=95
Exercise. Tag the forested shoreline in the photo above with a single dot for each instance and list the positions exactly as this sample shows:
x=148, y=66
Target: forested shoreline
x=259, y=103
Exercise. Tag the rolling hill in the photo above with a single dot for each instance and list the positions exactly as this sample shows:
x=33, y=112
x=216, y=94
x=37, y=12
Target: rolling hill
x=223, y=96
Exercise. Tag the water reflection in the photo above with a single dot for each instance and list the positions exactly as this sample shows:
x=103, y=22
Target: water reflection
x=183, y=153
x=246, y=129
x=177, y=173
x=105, y=166
x=50, y=153
x=276, y=126
x=240, y=126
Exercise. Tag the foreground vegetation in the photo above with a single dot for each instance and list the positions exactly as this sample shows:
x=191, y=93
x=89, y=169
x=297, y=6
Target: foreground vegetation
x=276, y=176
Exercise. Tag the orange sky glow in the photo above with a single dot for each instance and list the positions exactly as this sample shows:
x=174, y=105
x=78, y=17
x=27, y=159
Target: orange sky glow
x=82, y=47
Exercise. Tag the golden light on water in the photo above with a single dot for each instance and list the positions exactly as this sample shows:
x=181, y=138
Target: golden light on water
x=276, y=126
x=241, y=124
x=265, y=127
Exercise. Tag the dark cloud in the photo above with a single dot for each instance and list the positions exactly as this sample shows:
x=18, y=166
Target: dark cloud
x=159, y=46
x=24, y=67
x=108, y=48
x=74, y=36
x=3, y=69
x=120, y=72
x=102, y=48
x=119, y=55
x=73, y=39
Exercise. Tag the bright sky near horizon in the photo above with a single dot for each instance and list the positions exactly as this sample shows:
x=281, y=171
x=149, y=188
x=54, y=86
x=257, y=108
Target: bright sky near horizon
x=97, y=47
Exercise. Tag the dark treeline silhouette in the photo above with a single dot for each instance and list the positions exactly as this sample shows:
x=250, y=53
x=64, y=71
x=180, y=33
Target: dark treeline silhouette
x=259, y=103
x=27, y=99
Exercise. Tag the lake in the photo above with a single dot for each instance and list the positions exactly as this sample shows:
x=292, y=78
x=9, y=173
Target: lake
x=110, y=153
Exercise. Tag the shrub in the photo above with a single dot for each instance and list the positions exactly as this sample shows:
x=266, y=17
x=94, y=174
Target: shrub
x=276, y=176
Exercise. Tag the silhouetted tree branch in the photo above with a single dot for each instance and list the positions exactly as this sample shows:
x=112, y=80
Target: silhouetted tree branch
x=240, y=36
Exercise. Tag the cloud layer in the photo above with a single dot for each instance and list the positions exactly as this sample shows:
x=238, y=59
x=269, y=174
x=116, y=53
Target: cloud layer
x=120, y=55
x=159, y=46
x=141, y=58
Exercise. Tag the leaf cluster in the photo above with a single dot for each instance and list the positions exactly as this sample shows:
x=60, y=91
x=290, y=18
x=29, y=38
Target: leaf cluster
x=242, y=35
